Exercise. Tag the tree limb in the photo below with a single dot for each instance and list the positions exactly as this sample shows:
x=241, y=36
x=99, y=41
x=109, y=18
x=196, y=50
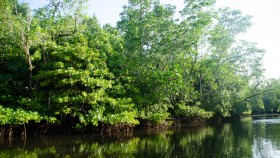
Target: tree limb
x=247, y=99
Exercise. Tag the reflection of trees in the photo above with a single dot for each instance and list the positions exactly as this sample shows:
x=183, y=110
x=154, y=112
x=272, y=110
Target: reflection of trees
x=74, y=147
x=266, y=138
x=190, y=143
x=156, y=145
x=228, y=140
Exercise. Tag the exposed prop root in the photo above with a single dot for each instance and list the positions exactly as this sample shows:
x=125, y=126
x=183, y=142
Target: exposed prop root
x=176, y=123
x=193, y=121
x=117, y=129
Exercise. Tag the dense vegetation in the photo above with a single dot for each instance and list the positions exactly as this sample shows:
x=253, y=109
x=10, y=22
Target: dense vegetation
x=59, y=65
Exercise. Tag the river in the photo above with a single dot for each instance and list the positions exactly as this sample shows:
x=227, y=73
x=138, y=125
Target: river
x=257, y=137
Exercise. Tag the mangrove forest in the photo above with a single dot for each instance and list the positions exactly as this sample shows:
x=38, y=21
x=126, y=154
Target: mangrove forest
x=60, y=70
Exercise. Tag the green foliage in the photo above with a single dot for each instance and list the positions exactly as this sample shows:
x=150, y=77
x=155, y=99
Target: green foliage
x=271, y=98
x=190, y=111
x=157, y=113
x=57, y=62
x=19, y=116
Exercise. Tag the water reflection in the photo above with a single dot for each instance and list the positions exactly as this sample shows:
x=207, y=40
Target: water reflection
x=266, y=138
x=248, y=138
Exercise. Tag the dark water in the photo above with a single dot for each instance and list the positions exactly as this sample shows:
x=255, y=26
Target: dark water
x=258, y=137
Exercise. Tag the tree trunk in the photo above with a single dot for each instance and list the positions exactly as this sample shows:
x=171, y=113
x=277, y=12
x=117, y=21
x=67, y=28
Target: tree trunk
x=30, y=68
x=26, y=46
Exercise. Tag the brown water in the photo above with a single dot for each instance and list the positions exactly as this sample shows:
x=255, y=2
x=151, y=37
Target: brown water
x=258, y=137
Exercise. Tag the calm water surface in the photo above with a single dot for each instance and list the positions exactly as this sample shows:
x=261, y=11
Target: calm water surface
x=257, y=138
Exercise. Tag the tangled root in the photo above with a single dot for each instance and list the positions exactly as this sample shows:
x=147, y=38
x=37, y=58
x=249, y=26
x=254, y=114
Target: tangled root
x=116, y=129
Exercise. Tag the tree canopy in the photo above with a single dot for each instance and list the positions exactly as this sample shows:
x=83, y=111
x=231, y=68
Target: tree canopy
x=58, y=63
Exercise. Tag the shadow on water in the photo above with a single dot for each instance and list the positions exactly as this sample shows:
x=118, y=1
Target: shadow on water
x=246, y=138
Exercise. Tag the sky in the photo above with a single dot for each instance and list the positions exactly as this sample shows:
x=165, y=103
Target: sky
x=265, y=30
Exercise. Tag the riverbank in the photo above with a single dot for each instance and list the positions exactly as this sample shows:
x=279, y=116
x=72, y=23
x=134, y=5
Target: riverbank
x=238, y=139
x=66, y=127
x=261, y=115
